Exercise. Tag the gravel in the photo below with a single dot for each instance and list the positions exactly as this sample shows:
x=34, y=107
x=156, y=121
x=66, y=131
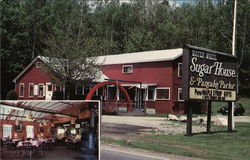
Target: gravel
x=161, y=124
x=154, y=124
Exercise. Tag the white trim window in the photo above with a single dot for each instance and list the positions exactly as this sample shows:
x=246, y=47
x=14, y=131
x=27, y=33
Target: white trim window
x=179, y=69
x=127, y=69
x=29, y=131
x=41, y=90
x=21, y=90
x=31, y=89
x=180, y=98
x=7, y=131
x=163, y=93
x=79, y=90
x=151, y=93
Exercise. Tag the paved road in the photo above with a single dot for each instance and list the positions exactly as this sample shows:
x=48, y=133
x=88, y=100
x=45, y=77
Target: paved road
x=114, y=154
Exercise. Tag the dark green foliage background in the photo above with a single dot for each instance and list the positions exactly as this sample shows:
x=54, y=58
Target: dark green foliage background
x=121, y=28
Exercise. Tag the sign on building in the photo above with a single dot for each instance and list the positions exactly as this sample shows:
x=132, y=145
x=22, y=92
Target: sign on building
x=208, y=75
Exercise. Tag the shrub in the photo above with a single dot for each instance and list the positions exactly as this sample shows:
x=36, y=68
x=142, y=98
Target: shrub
x=11, y=95
x=57, y=95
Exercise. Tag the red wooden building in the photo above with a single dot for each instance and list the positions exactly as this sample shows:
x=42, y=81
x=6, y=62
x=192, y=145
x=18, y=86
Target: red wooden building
x=153, y=80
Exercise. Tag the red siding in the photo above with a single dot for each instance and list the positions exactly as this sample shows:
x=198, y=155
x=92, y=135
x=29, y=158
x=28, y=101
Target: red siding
x=32, y=75
x=159, y=73
x=151, y=72
x=164, y=74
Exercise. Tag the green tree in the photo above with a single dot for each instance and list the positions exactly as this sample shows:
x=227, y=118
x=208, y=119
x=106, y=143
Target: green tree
x=15, y=50
x=70, y=51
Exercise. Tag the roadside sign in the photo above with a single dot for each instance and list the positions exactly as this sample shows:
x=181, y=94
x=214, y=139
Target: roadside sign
x=208, y=75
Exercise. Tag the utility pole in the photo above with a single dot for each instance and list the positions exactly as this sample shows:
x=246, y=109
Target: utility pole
x=233, y=53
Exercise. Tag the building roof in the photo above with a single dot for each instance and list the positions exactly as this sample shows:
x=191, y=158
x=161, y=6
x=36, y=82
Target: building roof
x=126, y=58
x=100, y=75
x=138, y=57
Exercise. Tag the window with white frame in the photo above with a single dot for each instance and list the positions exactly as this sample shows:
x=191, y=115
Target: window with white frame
x=179, y=69
x=7, y=131
x=180, y=98
x=31, y=89
x=163, y=93
x=40, y=90
x=79, y=90
x=21, y=90
x=151, y=93
x=127, y=69
x=29, y=131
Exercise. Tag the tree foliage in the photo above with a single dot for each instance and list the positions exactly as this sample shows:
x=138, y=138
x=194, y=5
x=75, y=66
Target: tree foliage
x=11, y=95
x=32, y=27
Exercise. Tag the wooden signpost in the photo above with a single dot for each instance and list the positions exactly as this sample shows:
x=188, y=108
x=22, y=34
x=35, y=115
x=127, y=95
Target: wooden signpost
x=208, y=76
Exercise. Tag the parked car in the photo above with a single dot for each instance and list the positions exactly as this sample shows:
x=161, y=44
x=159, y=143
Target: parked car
x=238, y=109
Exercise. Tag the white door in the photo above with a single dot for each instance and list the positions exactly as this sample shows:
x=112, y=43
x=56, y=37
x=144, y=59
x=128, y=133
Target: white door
x=49, y=91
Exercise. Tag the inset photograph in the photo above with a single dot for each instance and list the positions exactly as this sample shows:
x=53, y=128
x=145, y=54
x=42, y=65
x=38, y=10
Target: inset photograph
x=49, y=130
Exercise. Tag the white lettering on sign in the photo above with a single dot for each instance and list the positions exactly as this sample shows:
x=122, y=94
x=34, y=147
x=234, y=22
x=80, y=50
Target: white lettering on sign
x=201, y=54
x=211, y=56
x=200, y=68
x=199, y=82
x=220, y=71
x=217, y=69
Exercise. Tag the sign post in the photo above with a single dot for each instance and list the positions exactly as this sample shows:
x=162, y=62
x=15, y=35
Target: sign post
x=189, y=119
x=230, y=117
x=208, y=76
x=209, y=117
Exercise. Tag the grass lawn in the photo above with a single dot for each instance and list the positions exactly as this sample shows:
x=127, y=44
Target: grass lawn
x=219, y=145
